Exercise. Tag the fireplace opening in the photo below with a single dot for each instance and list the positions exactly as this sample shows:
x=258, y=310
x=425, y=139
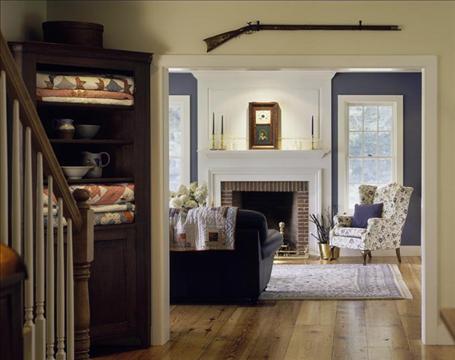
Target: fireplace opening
x=276, y=207
x=279, y=201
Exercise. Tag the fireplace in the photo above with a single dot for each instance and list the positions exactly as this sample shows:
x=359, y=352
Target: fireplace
x=279, y=201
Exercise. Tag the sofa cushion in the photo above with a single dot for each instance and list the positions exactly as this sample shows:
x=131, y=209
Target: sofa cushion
x=364, y=212
x=272, y=243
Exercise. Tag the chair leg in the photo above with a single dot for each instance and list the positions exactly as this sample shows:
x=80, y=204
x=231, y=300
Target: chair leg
x=364, y=254
x=397, y=250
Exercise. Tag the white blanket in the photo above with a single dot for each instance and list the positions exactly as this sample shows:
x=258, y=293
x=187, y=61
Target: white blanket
x=202, y=228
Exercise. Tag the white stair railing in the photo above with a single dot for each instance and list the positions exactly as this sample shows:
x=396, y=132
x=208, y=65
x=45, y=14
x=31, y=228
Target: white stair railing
x=3, y=162
x=42, y=320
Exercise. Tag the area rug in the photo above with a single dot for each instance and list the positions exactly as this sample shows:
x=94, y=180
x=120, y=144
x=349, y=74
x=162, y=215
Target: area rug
x=336, y=282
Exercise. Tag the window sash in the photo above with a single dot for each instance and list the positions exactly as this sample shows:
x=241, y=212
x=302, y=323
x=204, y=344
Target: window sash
x=345, y=175
x=181, y=102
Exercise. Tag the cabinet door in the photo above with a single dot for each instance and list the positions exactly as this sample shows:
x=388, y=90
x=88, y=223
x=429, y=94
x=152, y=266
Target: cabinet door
x=113, y=288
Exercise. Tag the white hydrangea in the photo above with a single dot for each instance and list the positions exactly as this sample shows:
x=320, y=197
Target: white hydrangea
x=190, y=204
x=190, y=196
x=175, y=203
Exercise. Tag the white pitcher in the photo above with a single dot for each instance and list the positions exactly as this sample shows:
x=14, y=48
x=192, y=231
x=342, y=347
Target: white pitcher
x=95, y=159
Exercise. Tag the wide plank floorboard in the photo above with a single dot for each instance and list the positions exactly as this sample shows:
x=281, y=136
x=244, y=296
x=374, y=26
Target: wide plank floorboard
x=301, y=330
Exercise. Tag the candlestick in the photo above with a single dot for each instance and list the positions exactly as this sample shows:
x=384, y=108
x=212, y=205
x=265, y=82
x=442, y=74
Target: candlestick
x=213, y=124
x=312, y=132
x=222, y=134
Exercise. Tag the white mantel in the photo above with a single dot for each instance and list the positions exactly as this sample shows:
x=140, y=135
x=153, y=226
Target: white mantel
x=301, y=94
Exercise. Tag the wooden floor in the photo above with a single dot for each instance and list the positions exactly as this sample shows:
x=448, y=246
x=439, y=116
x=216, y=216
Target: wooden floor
x=338, y=330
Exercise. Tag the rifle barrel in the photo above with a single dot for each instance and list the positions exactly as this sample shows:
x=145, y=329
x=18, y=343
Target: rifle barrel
x=214, y=41
x=287, y=27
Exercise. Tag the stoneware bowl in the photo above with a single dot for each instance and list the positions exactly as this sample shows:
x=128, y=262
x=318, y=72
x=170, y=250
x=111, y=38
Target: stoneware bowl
x=75, y=172
x=87, y=131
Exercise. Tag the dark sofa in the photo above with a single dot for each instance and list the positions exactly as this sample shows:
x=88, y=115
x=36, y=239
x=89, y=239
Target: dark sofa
x=225, y=276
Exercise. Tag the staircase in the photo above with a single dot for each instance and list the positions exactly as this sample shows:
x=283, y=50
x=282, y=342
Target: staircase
x=55, y=241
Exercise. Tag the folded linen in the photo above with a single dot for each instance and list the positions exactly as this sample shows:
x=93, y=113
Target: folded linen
x=114, y=218
x=202, y=228
x=114, y=83
x=102, y=194
x=108, y=194
x=81, y=100
x=80, y=93
x=112, y=208
x=100, y=218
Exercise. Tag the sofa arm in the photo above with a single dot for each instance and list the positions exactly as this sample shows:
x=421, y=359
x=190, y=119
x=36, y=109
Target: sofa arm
x=342, y=220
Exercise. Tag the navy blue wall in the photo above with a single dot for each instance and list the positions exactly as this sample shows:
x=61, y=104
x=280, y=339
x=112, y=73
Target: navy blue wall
x=186, y=84
x=410, y=86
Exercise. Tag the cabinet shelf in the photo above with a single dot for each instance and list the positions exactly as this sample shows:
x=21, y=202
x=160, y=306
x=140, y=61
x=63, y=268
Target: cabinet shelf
x=101, y=180
x=91, y=141
x=50, y=104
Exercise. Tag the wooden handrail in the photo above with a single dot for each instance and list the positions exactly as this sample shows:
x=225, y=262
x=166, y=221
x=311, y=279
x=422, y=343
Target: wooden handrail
x=30, y=118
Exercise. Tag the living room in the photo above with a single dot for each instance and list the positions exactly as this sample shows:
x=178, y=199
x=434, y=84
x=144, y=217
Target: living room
x=272, y=122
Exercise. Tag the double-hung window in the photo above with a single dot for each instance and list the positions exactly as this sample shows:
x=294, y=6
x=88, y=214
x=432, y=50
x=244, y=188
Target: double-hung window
x=179, y=141
x=370, y=144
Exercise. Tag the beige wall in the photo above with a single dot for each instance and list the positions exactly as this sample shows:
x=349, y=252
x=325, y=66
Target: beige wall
x=173, y=27
x=21, y=20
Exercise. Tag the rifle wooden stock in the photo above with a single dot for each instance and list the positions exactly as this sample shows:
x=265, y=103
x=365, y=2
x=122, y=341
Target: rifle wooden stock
x=215, y=41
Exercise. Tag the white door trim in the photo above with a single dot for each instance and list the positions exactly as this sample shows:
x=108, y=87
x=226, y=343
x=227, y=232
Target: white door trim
x=433, y=331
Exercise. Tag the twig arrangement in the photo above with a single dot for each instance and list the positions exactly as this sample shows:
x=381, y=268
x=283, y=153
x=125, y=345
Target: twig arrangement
x=324, y=223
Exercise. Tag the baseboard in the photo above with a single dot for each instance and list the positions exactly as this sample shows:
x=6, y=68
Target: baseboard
x=407, y=250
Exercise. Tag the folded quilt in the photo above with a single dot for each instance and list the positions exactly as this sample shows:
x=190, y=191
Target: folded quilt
x=80, y=93
x=108, y=194
x=82, y=100
x=202, y=228
x=112, y=208
x=103, y=194
x=114, y=218
x=100, y=218
x=113, y=83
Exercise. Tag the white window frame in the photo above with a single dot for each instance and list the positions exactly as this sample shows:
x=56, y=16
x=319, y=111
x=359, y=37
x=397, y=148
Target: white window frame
x=184, y=102
x=344, y=101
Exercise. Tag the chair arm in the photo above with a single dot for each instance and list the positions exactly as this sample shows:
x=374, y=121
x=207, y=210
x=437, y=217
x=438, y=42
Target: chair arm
x=382, y=234
x=379, y=224
x=342, y=220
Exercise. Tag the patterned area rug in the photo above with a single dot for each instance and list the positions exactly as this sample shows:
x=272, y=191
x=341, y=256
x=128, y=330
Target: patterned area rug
x=336, y=282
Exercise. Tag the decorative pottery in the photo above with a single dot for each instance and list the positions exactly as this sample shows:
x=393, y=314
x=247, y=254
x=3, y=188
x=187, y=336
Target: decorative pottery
x=75, y=172
x=87, y=131
x=96, y=161
x=65, y=128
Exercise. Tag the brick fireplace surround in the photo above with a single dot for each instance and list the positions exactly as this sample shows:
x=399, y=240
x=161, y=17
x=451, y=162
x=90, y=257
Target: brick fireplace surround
x=298, y=234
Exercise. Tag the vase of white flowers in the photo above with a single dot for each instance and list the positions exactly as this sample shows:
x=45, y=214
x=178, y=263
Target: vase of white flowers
x=188, y=197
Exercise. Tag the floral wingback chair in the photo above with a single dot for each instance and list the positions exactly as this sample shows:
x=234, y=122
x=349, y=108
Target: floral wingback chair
x=381, y=233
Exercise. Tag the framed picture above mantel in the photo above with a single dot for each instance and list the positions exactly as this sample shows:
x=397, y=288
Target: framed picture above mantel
x=264, y=125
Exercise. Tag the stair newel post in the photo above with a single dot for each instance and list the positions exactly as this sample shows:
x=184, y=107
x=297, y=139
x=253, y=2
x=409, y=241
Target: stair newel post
x=83, y=257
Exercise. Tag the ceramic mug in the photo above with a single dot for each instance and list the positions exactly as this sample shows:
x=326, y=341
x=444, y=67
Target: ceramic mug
x=96, y=160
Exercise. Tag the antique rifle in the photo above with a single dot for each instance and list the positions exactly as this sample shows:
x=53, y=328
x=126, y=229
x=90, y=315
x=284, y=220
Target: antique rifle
x=214, y=41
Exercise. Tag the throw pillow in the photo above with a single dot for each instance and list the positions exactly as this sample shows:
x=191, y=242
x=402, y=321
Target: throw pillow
x=364, y=212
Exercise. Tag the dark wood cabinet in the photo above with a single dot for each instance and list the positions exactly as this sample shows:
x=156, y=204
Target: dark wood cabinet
x=120, y=274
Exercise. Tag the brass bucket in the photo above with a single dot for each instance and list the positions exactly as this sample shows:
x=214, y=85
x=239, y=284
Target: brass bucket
x=325, y=252
x=335, y=252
